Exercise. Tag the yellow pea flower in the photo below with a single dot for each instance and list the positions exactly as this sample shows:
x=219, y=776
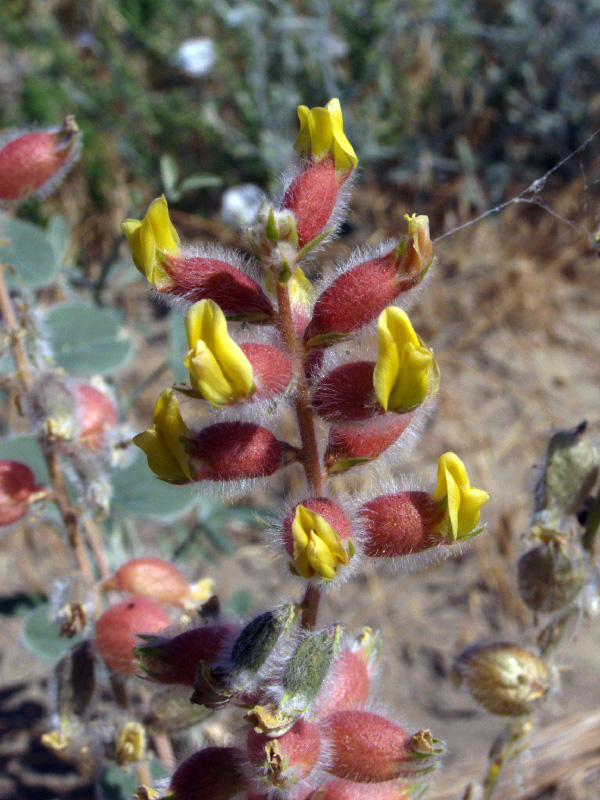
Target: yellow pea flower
x=406, y=371
x=463, y=501
x=322, y=133
x=317, y=547
x=418, y=229
x=163, y=444
x=150, y=239
x=219, y=370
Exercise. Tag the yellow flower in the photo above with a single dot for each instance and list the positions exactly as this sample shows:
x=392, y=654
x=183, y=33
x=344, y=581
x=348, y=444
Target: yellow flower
x=322, y=133
x=150, y=240
x=463, y=501
x=317, y=547
x=163, y=444
x=219, y=370
x=406, y=371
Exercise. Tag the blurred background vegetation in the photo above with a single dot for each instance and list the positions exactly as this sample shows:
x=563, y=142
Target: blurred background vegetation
x=194, y=96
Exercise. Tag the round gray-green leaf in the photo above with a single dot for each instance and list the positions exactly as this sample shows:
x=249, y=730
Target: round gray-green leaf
x=87, y=340
x=29, y=252
x=41, y=636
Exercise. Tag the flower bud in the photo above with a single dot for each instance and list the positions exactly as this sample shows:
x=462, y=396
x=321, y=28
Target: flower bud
x=406, y=373
x=214, y=773
x=348, y=790
x=317, y=535
x=37, y=161
x=571, y=469
x=503, y=678
x=151, y=577
x=163, y=444
x=355, y=443
x=219, y=370
x=288, y=759
x=304, y=675
x=17, y=484
x=118, y=627
x=253, y=647
x=363, y=291
x=96, y=414
x=400, y=524
x=369, y=748
x=229, y=451
x=174, y=660
x=347, y=394
x=551, y=574
x=461, y=501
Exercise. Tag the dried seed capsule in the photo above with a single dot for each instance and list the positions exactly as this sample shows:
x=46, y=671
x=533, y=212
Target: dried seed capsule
x=214, y=773
x=369, y=748
x=17, y=484
x=551, y=574
x=117, y=629
x=505, y=679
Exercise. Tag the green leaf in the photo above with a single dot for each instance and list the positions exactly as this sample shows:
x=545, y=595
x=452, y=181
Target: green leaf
x=58, y=235
x=86, y=339
x=30, y=253
x=114, y=783
x=137, y=491
x=42, y=637
x=26, y=450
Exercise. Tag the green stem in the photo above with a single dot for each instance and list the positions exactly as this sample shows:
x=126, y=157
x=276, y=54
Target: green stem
x=592, y=526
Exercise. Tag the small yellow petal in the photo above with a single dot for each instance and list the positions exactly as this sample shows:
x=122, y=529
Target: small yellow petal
x=316, y=546
x=302, y=143
x=322, y=133
x=169, y=425
x=335, y=111
x=150, y=240
x=463, y=501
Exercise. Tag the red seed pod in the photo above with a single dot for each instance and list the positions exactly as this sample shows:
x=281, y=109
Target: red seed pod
x=324, y=507
x=214, y=773
x=347, y=394
x=151, y=577
x=288, y=759
x=359, y=295
x=347, y=686
x=369, y=748
x=201, y=278
x=230, y=451
x=313, y=196
x=356, y=442
x=348, y=790
x=400, y=524
x=96, y=414
x=271, y=369
x=117, y=629
x=174, y=660
x=36, y=161
x=17, y=483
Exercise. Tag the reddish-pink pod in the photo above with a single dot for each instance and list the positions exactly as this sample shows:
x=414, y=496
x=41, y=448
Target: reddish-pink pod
x=363, y=440
x=288, y=759
x=312, y=196
x=366, y=747
x=117, y=629
x=347, y=686
x=201, y=278
x=96, y=414
x=214, y=773
x=347, y=394
x=33, y=162
x=271, y=369
x=229, y=451
x=17, y=483
x=174, y=660
x=400, y=524
x=151, y=577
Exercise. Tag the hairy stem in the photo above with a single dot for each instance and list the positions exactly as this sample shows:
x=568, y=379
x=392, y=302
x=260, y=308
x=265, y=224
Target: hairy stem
x=60, y=494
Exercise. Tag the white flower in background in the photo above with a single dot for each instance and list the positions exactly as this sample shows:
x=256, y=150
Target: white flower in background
x=240, y=205
x=196, y=57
